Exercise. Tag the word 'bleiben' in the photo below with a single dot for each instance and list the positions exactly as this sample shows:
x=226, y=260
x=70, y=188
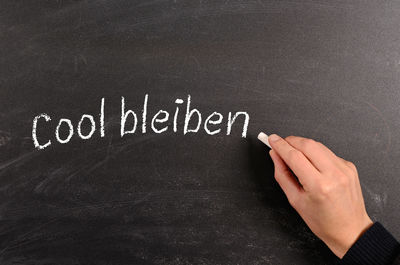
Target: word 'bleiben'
x=129, y=123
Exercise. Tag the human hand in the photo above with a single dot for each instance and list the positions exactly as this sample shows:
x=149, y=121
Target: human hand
x=327, y=192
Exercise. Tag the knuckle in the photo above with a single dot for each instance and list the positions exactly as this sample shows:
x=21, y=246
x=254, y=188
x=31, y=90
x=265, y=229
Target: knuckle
x=294, y=155
x=338, y=182
x=279, y=142
x=293, y=200
x=276, y=176
x=352, y=166
x=325, y=189
x=319, y=145
x=279, y=174
x=310, y=142
x=342, y=180
x=290, y=138
x=309, y=145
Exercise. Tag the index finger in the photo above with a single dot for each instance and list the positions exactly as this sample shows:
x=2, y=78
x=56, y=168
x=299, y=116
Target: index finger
x=319, y=155
x=296, y=161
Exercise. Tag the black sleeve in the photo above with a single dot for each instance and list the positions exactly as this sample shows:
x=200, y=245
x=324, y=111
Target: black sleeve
x=375, y=247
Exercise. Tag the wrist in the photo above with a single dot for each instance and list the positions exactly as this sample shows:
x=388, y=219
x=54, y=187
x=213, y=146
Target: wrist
x=341, y=245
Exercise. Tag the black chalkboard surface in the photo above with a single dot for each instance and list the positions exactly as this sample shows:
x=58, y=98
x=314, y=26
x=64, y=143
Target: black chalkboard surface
x=324, y=69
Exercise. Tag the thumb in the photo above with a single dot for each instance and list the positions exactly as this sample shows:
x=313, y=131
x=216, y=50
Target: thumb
x=285, y=178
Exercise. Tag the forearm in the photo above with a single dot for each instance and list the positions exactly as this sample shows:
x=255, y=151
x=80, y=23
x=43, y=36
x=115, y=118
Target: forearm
x=375, y=247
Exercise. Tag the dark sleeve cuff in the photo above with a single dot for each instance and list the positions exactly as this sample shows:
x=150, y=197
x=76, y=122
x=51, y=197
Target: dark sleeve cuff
x=375, y=247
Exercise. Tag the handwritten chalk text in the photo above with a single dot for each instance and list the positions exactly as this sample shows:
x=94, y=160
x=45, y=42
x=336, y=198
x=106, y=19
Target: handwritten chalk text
x=160, y=122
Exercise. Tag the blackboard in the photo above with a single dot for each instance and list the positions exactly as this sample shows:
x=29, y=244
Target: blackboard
x=324, y=69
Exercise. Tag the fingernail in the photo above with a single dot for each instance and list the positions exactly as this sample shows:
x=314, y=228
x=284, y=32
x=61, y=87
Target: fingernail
x=273, y=138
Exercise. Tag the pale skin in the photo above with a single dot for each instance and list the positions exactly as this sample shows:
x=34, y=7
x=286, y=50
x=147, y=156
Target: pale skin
x=323, y=188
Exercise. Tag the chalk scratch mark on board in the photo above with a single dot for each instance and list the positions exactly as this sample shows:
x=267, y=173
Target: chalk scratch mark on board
x=150, y=3
x=40, y=187
x=89, y=169
x=75, y=64
x=17, y=161
x=60, y=173
x=110, y=144
x=135, y=141
x=5, y=137
x=241, y=88
x=26, y=238
x=382, y=117
x=83, y=59
x=378, y=199
x=17, y=242
x=201, y=194
x=261, y=3
x=196, y=61
x=112, y=151
x=60, y=61
x=80, y=19
x=300, y=82
x=111, y=203
x=169, y=76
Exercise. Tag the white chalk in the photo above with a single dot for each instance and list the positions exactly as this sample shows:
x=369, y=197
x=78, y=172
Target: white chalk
x=264, y=138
